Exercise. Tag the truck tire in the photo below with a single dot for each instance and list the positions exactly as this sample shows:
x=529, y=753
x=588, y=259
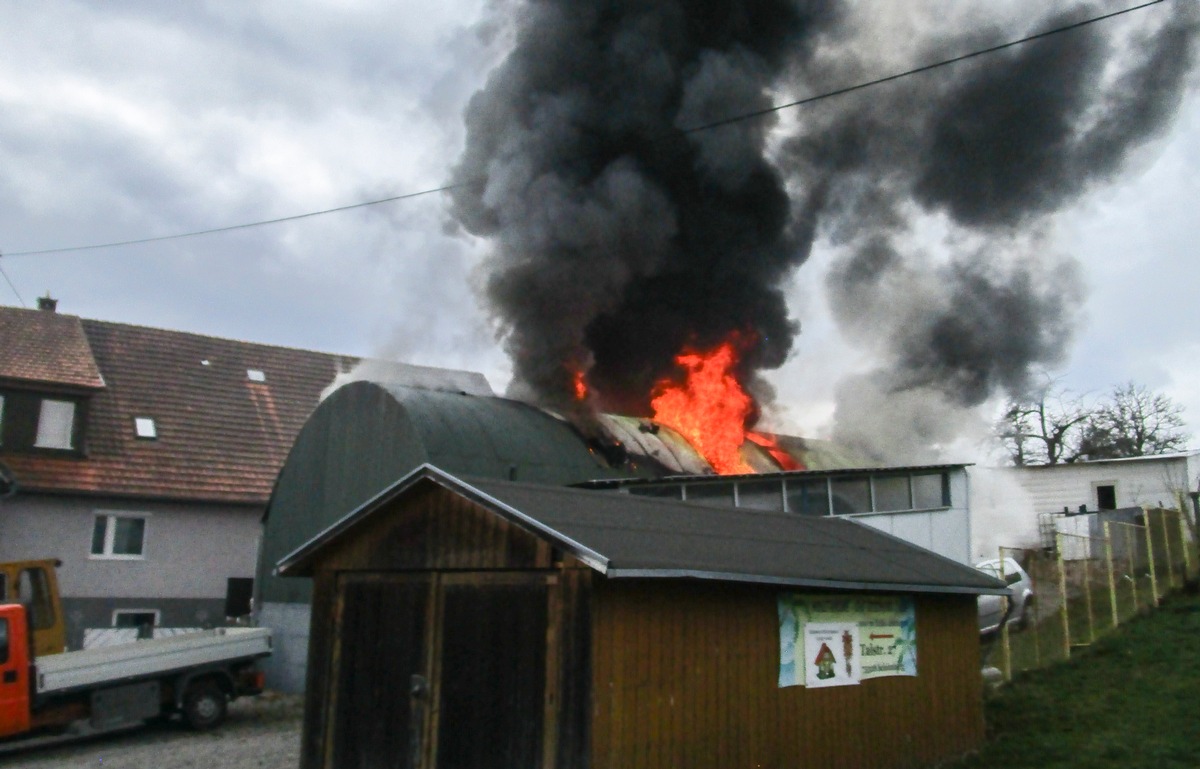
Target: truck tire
x=204, y=705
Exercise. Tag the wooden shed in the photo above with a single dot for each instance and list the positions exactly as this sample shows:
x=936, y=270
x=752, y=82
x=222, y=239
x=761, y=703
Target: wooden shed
x=480, y=623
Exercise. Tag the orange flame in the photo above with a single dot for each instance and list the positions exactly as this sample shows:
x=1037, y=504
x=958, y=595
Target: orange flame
x=782, y=458
x=580, y=386
x=709, y=409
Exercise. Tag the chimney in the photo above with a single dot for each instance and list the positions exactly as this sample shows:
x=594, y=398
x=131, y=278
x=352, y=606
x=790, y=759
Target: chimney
x=47, y=303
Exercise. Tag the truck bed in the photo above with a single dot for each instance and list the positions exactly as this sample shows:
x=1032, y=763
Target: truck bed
x=90, y=667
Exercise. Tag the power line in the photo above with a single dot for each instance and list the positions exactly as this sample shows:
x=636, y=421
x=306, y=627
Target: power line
x=231, y=227
x=916, y=70
x=8, y=280
x=739, y=118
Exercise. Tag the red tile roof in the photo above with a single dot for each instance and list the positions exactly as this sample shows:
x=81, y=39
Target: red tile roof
x=46, y=348
x=221, y=436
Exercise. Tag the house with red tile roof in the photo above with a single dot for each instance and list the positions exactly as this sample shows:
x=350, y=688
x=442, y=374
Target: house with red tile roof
x=143, y=459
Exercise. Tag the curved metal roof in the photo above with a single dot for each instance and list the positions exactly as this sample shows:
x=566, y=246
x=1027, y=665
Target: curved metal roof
x=366, y=434
x=497, y=437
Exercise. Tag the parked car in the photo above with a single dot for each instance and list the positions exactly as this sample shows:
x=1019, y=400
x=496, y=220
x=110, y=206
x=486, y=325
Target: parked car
x=996, y=610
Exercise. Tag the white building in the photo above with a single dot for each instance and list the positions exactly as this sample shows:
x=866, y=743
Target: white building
x=1166, y=480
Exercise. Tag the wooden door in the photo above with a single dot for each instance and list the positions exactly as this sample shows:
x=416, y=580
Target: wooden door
x=442, y=671
x=491, y=675
x=380, y=646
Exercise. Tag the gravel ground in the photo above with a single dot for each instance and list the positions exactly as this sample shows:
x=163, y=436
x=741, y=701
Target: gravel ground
x=262, y=733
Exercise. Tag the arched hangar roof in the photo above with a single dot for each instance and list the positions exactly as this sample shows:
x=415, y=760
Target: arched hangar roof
x=366, y=434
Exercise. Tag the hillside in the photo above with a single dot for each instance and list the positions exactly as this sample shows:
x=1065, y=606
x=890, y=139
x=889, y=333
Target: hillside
x=1132, y=700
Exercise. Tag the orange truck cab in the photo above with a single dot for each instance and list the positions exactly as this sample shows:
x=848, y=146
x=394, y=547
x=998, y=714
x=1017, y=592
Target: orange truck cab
x=15, y=665
x=34, y=584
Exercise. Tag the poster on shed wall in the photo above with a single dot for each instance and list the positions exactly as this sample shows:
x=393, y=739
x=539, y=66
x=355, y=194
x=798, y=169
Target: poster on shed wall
x=831, y=654
x=861, y=637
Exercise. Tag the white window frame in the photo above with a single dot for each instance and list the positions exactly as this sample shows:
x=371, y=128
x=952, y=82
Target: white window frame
x=110, y=534
x=45, y=439
x=157, y=615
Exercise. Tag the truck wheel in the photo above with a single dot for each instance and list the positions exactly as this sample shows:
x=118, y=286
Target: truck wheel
x=204, y=705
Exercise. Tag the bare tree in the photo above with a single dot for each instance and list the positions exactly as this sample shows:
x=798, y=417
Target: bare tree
x=1043, y=428
x=1134, y=422
x=1052, y=426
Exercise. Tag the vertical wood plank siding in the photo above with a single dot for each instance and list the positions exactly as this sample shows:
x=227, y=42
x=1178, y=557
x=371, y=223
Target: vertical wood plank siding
x=685, y=675
x=321, y=660
x=437, y=531
x=438, y=538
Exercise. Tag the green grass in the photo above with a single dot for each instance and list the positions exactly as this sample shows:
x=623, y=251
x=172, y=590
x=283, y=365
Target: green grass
x=1131, y=700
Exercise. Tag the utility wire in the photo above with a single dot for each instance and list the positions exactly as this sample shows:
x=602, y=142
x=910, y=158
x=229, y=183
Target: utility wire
x=214, y=230
x=8, y=280
x=742, y=117
x=915, y=71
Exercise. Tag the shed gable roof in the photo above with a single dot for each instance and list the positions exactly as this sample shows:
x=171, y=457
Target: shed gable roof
x=627, y=536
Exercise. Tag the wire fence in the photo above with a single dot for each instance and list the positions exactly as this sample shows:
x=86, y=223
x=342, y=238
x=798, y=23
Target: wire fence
x=1084, y=585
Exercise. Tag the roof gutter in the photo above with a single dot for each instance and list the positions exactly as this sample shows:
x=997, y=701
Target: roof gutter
x=875, y=587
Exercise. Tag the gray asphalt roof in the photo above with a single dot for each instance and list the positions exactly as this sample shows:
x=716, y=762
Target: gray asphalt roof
x=628, y=536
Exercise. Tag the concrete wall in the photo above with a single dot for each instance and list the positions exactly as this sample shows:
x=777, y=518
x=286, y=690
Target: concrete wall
x=189, y=553
x=84, y=613
x=286, y=668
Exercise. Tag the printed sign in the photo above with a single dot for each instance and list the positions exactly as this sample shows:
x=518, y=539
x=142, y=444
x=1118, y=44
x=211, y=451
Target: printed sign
x=862, y=637
x=831, y=654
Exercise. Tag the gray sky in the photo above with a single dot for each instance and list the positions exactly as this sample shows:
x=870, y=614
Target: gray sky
x=127, y=120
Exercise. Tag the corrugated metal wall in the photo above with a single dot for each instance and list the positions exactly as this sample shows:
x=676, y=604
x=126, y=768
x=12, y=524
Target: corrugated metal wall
x=685, y=675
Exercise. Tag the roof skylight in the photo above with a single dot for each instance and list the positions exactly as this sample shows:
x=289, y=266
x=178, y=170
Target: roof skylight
x=254, y=375
x=145, y=428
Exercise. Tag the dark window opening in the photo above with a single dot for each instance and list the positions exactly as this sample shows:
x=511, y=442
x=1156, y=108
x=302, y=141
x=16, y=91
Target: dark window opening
x=808, y=497
x=1106, y=497
x=761, y=495
x=892, y=493
x=670, y=492
x=709, y=493
x=931, y=490
x=238, y=591
x=144, y=621
x=851, y=495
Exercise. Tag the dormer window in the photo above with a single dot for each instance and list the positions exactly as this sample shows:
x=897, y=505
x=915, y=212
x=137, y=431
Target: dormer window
x=41, y=422
x=56, y=425
x=145, y=428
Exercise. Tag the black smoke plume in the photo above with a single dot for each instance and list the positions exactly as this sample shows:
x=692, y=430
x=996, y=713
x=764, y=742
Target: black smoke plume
x=619, y=235
x=617, y=240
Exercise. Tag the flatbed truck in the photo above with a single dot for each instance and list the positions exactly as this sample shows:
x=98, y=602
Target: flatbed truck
x=109, y=688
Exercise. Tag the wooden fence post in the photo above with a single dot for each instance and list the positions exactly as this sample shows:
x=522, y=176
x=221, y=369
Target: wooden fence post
x=1112, y=583
x=1062, y=586
x=1150, y=558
